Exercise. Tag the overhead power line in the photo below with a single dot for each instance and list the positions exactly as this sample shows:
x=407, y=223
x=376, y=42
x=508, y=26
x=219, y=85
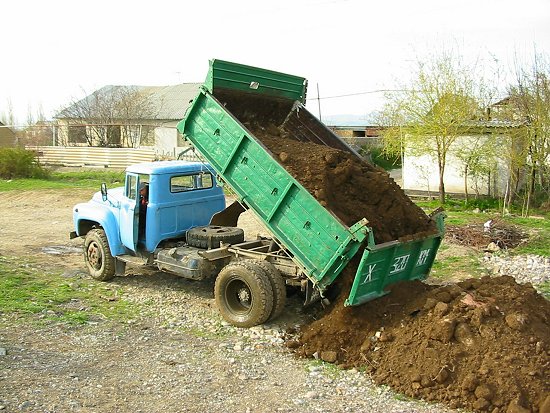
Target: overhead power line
x=359, y=93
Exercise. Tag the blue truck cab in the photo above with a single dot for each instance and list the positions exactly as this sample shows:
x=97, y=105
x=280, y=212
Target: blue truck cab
x=181, y=195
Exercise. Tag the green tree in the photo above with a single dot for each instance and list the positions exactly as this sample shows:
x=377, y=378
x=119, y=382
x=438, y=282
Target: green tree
x=478, y=156
x=441, y=103
x=529, y=104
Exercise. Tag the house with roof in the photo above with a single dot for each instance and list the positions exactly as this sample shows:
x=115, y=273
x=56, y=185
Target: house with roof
x=7, y=137
x=127, y=117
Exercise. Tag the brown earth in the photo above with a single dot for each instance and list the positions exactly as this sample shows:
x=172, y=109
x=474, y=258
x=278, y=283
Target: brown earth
x=350, y=188
x=343, y=183
x=480, y=344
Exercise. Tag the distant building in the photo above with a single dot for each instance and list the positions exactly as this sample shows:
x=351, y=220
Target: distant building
x=360, y=136
x=7, y=137
x=127, y=117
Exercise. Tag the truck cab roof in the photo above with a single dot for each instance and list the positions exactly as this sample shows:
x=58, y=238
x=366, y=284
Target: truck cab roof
x=168, y=167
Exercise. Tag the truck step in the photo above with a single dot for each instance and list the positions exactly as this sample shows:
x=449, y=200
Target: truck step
x=132, y=259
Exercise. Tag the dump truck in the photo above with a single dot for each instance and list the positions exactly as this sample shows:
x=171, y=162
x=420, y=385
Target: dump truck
x=190, y=232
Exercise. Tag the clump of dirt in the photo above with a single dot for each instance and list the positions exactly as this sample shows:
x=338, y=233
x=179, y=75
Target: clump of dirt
x=349, y=187
x=479, y=235
x=482, y=344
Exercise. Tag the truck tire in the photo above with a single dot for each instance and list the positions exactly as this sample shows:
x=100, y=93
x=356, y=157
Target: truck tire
x=243, y=294
x=210, y=236
x=97, y=256
x=278, y=286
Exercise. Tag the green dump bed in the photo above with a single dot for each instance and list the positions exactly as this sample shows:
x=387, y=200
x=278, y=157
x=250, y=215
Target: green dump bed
x=318, y=241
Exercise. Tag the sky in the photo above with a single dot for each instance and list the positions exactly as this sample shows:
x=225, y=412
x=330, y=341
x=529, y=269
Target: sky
x=53, y=52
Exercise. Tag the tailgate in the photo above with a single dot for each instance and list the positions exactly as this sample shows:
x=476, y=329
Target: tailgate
x=388, y=263
x=254, y=80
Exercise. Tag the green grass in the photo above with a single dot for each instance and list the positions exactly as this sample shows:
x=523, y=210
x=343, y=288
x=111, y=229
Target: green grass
x=91, y=179
x=329, y=369
x=450, y=267
x=544, y=288
x=34, y=294
x=539, y=234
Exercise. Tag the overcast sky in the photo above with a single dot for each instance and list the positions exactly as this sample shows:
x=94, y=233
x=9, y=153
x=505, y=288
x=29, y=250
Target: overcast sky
x=56, y=51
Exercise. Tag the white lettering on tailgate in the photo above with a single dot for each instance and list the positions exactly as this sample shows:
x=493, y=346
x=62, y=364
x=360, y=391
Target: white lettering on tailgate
x=399, y=264
x=368, y=278
x=423, y=257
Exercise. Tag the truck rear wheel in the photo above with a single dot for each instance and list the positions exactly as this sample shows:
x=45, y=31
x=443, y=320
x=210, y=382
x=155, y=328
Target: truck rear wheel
x=243, y=294
x=97, y=256
x=278, y=286
x=211, y=236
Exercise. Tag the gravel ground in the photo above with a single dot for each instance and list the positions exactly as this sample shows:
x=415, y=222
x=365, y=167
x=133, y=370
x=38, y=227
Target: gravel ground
x=180, y=357
x=533, y=269
x=177, y=356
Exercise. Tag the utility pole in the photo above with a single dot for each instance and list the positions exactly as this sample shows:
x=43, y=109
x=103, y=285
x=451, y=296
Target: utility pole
x=319, y=102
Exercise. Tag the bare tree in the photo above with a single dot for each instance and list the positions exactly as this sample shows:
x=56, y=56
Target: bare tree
x=8, y=117
x=111, y=116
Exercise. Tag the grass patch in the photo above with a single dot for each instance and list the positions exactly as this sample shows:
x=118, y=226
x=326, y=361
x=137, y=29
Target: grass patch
x=456, y=266
x=330, y=369
x=91, y=179
x=28, y=291
x=544, y=289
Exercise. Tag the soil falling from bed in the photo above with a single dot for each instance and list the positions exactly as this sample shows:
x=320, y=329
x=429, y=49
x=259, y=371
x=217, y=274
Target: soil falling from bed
x=350, y=188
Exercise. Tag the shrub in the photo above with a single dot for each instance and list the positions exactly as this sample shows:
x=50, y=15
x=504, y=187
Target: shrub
x=384, y=160
x=20, y=163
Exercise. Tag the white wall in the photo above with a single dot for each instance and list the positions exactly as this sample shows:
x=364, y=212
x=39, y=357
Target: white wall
x=422, y=173
x=166, y=139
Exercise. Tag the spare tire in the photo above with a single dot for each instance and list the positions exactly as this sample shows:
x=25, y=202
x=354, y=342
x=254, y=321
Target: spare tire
x=210, y=236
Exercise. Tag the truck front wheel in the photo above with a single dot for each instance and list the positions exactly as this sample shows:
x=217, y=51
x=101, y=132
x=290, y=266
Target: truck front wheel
x=243, y=294
x=97, y=256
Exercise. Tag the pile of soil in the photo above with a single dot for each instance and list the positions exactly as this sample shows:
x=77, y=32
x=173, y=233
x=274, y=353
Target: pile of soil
x=482, y=344
x=502, y=235
x=350, y=188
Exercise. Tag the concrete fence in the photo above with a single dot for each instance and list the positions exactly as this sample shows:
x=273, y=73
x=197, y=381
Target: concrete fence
x=85, y=156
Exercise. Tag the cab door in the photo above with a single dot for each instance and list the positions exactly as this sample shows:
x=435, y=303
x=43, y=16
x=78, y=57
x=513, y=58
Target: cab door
x=129, y=212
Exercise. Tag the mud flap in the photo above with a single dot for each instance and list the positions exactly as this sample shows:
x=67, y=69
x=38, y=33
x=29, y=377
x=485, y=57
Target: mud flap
x=229, y=216
x=120, y=267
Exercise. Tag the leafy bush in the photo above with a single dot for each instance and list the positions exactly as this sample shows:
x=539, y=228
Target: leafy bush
x=384, y=160
x=20, y=163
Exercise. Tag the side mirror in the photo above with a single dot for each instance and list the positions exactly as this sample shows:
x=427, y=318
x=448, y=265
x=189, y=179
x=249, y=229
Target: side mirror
x=104, y=191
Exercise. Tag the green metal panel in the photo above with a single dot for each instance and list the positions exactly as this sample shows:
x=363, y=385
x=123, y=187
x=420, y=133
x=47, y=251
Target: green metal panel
x=228, y=75
x=320, y=243
x=385, y=264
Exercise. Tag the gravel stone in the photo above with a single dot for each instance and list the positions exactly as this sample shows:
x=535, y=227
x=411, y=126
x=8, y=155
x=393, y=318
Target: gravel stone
x=534, y=269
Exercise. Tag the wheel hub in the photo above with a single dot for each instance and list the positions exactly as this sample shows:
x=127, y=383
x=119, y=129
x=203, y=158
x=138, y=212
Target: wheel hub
x=94, y=255
x=244, y=295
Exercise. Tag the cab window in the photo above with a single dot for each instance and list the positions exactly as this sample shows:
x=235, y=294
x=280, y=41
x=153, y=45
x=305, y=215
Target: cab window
x=193, y=182
x=131, y=184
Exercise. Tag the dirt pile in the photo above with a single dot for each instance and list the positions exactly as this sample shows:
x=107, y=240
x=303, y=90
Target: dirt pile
x=480, y=344
x=348, y=187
